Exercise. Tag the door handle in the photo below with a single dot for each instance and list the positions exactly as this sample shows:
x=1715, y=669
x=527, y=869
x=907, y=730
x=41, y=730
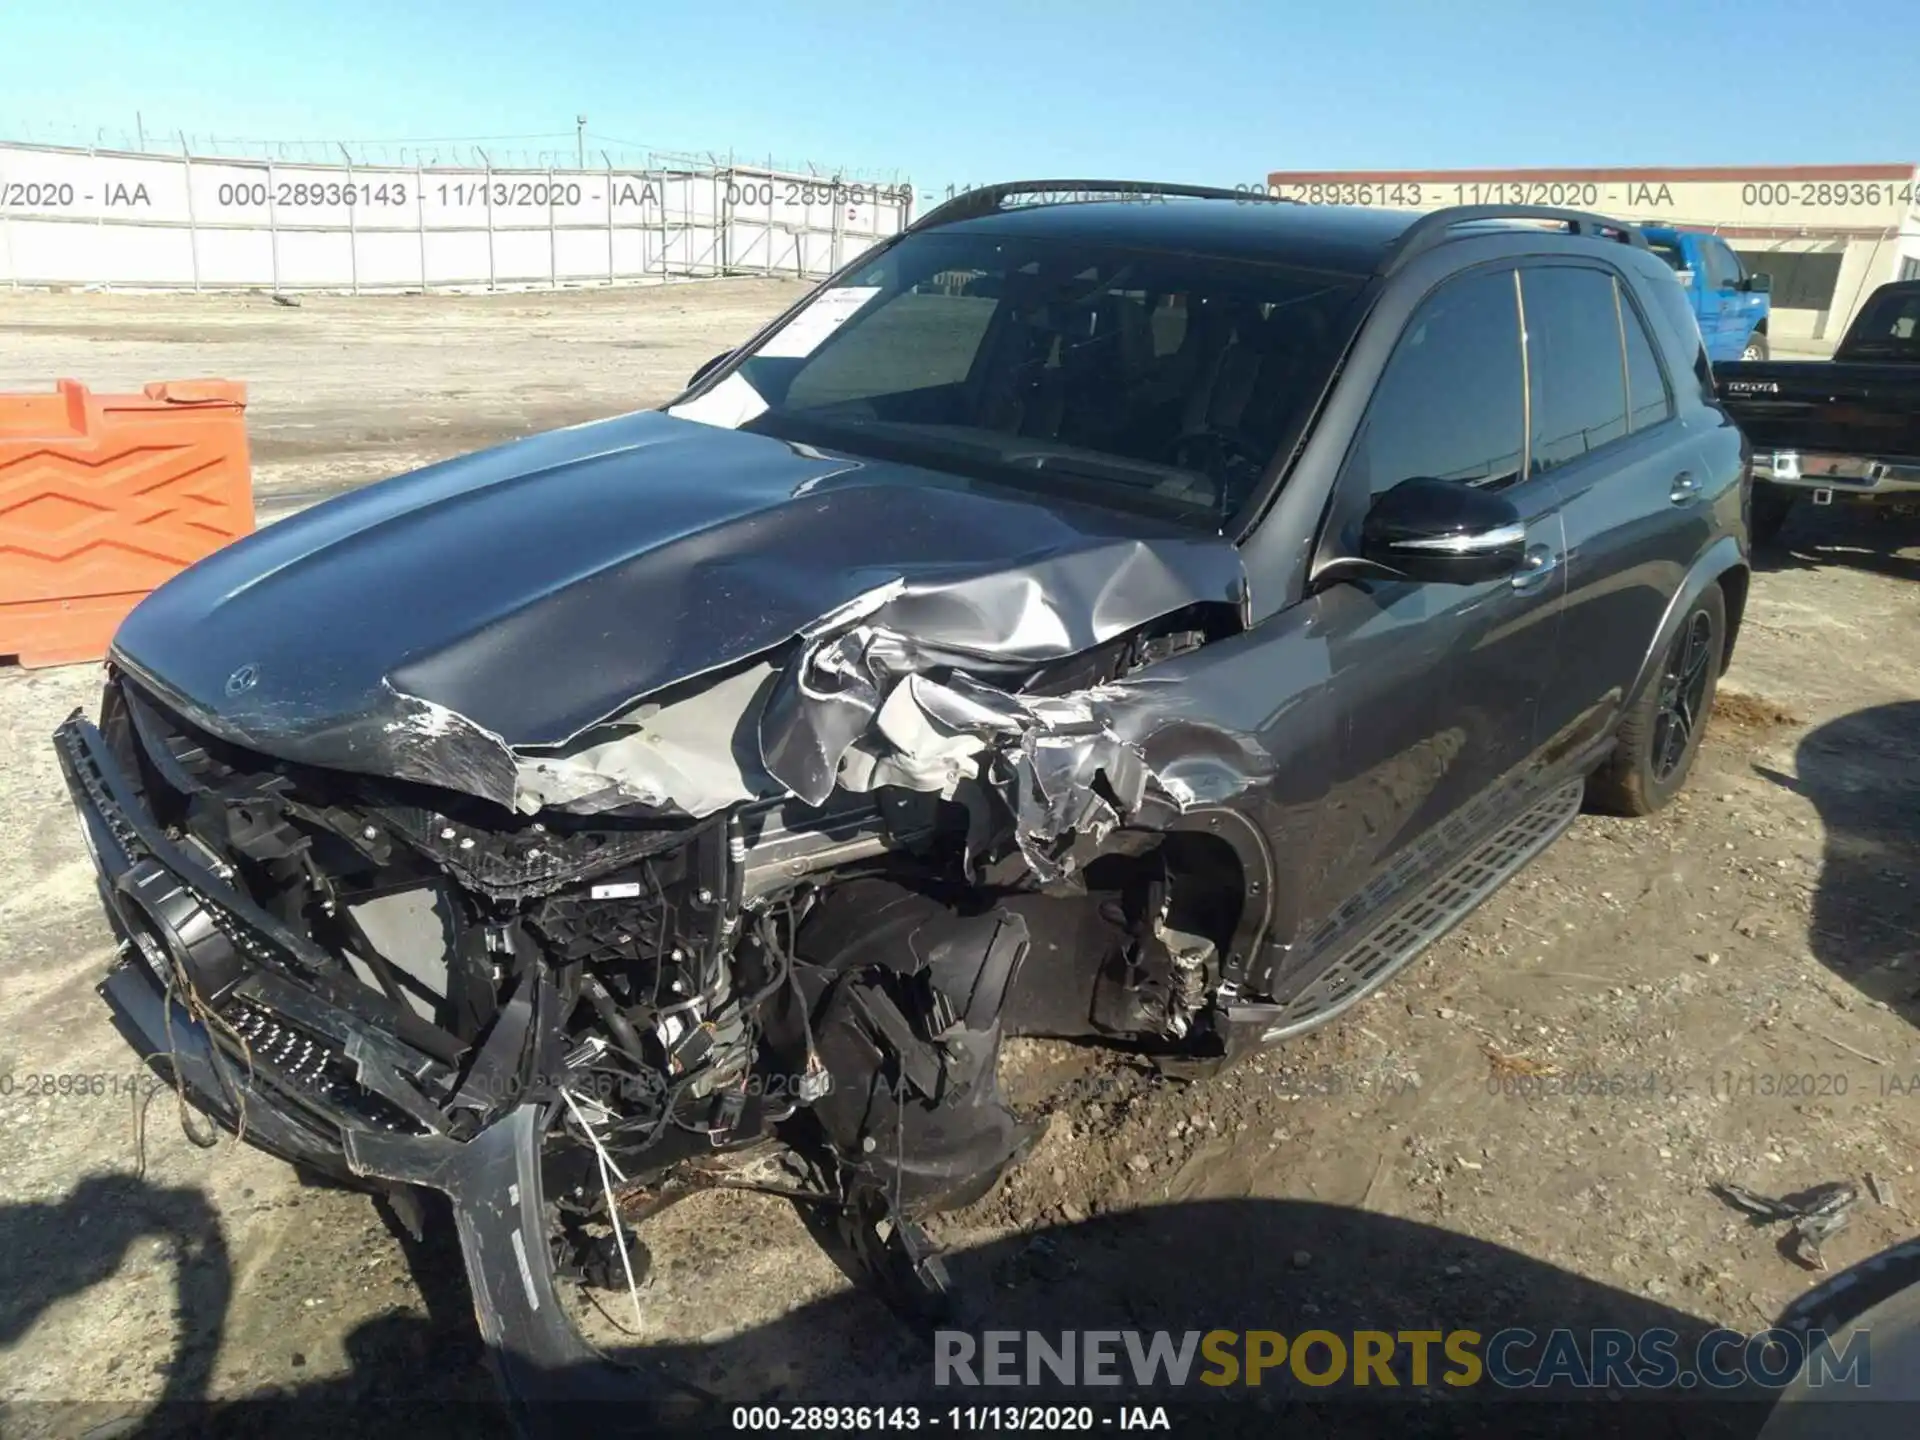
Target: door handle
x=1535, y=566
x=1685, y=488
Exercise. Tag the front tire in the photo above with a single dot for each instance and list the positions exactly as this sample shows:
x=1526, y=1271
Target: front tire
x=1756, y=347
x=1660, y=735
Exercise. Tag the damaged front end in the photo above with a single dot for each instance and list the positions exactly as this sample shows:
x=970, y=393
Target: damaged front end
x=764, y=927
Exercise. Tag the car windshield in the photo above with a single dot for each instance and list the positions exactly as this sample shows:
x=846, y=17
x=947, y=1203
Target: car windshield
x=1890, y=325
x=1154, y=381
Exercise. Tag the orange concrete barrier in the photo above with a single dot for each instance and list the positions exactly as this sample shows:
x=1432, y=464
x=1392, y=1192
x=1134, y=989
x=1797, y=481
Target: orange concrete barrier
x=103, y=497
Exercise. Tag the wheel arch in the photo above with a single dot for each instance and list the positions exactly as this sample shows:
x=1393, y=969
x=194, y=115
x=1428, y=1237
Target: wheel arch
x=1722, y=564
x=1234, y=839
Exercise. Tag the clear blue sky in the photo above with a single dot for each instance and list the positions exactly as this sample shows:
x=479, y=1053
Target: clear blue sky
x=992, y=89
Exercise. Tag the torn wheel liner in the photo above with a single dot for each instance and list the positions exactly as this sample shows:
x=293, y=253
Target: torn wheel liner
x=907, y=998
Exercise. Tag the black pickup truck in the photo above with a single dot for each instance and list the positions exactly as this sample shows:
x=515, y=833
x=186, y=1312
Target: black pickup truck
x=1841, y=429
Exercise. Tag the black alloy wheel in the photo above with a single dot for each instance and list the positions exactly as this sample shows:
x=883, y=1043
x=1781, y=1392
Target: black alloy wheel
x=1683, y=689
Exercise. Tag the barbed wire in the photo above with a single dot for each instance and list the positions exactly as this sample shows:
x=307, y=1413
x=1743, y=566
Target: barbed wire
x=541, y=150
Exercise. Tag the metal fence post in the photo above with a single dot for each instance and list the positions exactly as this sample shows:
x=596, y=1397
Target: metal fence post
x=770, y=230
x=273, y=229
x=486, y=183
x=839, y=230
x=353, y=228
x=193, y=231
x=420, y=220
x=609, y=162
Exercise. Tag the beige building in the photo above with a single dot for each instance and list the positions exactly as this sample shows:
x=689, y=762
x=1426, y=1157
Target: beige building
x=1827, y=234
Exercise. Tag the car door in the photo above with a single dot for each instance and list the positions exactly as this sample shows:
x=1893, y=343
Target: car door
x=1438, y=686
x=1633, y=489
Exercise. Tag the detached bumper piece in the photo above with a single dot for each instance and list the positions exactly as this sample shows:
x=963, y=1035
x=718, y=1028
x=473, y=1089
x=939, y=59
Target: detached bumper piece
x=544, y=1368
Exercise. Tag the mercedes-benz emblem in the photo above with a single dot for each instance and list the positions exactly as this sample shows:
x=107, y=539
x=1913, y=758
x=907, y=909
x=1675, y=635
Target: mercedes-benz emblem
x=243, y=679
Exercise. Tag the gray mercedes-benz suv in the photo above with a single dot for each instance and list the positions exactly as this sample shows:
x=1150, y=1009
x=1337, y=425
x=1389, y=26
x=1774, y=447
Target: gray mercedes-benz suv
x=1104, y=610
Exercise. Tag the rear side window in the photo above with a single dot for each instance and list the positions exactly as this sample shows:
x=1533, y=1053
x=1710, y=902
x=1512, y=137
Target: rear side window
x=1889, y=325
x=1670, y=301
x=1648, y=399
x=1576, y=372
x=1670, y=252
x=1451, y=403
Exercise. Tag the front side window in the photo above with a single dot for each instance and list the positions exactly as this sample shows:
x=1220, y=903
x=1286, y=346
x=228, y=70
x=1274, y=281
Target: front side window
x=1148, y=380
x=1451, y=401
x=1575, y=367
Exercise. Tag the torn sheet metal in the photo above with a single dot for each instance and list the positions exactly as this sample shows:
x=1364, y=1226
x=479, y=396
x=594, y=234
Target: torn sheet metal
x=1070, y=768
x=859, y=704
x=695, y=755
x=1003, y=624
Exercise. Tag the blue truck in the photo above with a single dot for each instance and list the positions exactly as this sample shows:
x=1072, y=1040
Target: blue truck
x=1730, y=304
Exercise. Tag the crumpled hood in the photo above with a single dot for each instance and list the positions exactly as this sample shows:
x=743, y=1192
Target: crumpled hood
x=515, y=597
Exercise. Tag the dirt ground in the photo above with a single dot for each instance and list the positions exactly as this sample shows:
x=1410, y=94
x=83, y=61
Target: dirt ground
x=1523, y=1124
x=343, y=390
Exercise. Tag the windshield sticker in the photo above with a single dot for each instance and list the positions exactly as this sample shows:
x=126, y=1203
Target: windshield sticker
x=805, y=332
x=729, y=405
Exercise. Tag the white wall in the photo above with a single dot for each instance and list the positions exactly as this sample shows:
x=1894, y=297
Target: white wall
x=74, y=217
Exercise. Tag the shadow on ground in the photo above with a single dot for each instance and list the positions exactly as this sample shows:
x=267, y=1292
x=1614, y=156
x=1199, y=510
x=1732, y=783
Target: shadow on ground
x=1855, y=536
x=1862, y=772
x=1286, y=1266
x=51, y=1250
